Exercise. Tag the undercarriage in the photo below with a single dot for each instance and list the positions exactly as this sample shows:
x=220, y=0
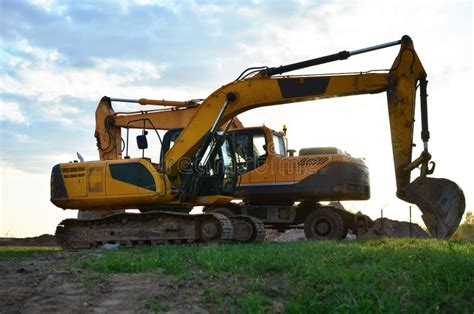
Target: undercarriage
x=159, y=227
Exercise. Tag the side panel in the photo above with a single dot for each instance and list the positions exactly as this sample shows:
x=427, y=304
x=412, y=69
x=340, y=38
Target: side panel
x=284, y=171
x=135, y=174
x=96, y=178
x=108, y=185
x=304, y=166
x=315, y=179
x=58, y=188
x=74, y=176
x=117, y=181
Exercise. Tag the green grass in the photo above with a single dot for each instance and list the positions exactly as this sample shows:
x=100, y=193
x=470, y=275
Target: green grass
x=158, y=306
x=8, y=252
x=361, y=276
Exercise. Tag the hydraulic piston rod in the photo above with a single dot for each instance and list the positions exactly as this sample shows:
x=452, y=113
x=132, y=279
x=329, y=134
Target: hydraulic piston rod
x=326, y=59
x=144, y=102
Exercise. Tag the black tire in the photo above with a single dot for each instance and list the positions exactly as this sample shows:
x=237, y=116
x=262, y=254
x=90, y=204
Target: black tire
x=324, y=224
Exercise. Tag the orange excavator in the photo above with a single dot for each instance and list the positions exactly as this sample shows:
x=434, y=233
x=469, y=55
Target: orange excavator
x=271, y=179
x=201, y=167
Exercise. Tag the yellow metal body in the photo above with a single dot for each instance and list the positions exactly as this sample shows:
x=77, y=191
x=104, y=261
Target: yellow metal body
x=285, y=170
x=93, y=185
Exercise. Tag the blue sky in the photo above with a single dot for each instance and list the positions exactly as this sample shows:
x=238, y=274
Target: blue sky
x=58, y=58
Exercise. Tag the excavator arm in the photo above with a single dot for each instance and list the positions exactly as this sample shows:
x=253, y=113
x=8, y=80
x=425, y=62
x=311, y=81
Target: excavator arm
x=109, y=123
x=441, y=201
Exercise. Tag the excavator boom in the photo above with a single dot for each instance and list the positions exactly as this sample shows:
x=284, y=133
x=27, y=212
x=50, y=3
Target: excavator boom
x=441, y=201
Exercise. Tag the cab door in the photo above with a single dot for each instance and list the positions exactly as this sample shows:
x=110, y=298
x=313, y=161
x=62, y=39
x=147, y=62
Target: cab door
x=262, y=161
x=251, y=157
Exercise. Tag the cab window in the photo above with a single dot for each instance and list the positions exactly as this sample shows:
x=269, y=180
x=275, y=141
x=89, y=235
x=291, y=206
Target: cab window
x=279, y=145
x=251, y=149
x=259, y=149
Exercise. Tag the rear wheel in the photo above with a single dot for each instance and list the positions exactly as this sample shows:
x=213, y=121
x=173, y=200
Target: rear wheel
x=324, y=224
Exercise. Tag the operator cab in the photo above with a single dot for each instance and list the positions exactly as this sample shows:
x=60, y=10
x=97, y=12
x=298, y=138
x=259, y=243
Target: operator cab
x=215, y=174
x=216, y=171
x=251, y=145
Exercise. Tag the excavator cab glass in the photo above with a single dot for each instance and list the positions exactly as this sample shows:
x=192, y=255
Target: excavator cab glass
x=251, y=148
x=217, y=172
x=278, y=144
x=229, y=169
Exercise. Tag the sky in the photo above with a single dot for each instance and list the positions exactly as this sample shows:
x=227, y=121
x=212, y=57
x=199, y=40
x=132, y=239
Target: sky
x=58, y=58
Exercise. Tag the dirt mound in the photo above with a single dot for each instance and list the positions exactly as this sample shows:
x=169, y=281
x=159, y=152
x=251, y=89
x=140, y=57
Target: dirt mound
x=287, y=236
x=387, y=228
x=395, y=229
x=42, y=240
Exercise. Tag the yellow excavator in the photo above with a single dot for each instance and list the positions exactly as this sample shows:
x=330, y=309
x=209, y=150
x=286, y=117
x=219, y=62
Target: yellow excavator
x=201, y=167
x=271, y=179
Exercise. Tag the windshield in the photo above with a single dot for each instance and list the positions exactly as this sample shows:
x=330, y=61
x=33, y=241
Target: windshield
x=279, y=145
x=230, y=169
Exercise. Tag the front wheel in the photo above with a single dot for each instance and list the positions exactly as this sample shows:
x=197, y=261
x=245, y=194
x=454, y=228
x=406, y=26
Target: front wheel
x=324, y=224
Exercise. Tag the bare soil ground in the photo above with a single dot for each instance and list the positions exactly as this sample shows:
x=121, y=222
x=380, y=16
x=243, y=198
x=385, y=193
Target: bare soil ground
x=48, y=284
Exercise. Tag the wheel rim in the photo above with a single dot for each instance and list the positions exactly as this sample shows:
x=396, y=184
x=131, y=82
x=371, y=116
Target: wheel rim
x=322, y=227
x=243, y=230
x=210, y=231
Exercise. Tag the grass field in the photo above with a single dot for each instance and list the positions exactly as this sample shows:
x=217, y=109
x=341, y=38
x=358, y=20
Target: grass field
x=9, y=252
x=357, y=276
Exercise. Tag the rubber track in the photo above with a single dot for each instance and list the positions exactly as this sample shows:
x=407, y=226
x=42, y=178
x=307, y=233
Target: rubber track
x=227, y=227
x=260, y=229
x=110, y=222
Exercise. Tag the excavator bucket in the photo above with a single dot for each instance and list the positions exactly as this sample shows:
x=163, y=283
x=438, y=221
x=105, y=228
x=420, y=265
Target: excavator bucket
x=442, y=203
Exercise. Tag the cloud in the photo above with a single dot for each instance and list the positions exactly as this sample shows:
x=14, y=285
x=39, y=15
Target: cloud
x=11, y=111
x=60, y=112
x=42, y=76
x=23, y=138
x=50, y=6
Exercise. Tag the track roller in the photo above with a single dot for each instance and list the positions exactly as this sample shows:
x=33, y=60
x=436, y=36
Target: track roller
x=248, y=229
